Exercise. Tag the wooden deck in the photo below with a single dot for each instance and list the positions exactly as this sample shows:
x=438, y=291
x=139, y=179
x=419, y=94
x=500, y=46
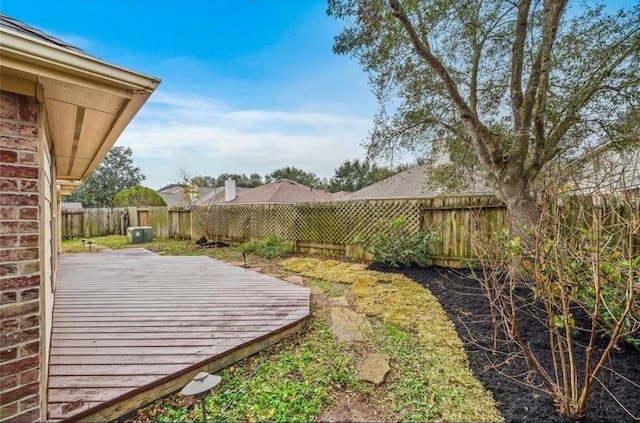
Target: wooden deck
x=130, y=326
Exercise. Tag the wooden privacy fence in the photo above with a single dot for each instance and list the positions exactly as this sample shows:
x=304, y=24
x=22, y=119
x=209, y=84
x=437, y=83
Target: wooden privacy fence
x=86, y=223
x=613, y=221
x=331, y=228
x=166, y=222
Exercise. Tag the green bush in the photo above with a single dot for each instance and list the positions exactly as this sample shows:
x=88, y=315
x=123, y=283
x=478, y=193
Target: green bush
x=393, y=244
x=138, y=196
x=594, y=273
x=269, y=247
x=614, y=270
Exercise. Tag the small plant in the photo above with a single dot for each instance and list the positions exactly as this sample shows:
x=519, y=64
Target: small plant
x=269, y=247
x=394, y=244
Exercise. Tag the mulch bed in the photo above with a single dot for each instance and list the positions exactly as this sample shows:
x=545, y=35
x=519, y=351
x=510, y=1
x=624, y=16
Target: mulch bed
x=463, y=300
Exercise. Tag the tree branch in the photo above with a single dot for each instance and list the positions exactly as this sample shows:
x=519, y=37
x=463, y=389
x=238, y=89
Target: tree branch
x=517, y=58
x=583, y=95
x=536, y=92
x=489, y=152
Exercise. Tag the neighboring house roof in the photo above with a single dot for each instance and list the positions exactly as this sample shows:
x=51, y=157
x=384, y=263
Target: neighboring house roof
x=282, y=191
x=171, y=188
x=606, y=170
x=410, y=184
x=69, y=205
x=217, y=195
x=89, y=102
x=340, y=195
x=174, y=195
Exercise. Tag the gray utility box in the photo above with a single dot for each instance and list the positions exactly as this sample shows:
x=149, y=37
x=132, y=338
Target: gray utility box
x=139, y=234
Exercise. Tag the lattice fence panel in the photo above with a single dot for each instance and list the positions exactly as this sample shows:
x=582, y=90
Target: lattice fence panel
x=245, y=221
x=334, y=222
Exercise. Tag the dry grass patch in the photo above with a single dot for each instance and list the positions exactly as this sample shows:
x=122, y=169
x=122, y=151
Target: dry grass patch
x=437, y=362
x=328, y=270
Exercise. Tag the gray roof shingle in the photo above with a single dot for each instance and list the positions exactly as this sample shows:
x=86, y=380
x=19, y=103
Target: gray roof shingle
x=411, y=184
x=21, y=27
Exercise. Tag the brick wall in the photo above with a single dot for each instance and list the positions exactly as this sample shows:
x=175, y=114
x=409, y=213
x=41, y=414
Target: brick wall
x=19, y=264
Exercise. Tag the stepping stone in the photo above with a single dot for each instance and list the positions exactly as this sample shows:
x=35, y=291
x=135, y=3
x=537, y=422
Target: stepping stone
x=374, y=369
x=347, y=325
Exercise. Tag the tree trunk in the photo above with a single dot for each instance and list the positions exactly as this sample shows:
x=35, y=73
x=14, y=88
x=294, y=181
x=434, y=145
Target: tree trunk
x=524, y=214
x=523, y=210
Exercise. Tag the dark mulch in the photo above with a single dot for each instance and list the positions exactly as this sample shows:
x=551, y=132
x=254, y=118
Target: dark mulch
x=462, y=298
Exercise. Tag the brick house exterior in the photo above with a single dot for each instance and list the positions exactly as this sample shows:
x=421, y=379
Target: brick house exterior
x=61, y=111
x=20, y=352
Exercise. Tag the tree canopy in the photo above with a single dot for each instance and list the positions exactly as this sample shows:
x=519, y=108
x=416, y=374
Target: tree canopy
x=297, y=175
x=116, y=173
x=523, y=85
x=138, y=196
x=251, y=181
x=353, y=175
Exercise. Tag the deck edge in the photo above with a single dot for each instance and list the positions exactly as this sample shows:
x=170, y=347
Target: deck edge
x=131, y=401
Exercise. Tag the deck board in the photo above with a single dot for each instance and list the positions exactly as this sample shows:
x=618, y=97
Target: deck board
x=130, y=326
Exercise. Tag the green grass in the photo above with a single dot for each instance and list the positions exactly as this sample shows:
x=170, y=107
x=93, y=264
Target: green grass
x=170, y=247
x=290, y=382
x=269, y=247
x=432, y=379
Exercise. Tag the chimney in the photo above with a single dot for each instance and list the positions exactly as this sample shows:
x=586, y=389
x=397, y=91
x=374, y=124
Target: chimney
x=440, y=154
x=229, y=190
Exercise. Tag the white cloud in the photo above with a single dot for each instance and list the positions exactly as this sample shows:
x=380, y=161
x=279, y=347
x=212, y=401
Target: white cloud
x=176, y=131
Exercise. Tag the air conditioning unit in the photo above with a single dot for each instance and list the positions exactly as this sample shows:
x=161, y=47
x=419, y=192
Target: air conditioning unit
x=139, y=234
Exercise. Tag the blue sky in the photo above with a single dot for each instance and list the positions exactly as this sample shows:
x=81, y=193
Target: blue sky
x=247, y=85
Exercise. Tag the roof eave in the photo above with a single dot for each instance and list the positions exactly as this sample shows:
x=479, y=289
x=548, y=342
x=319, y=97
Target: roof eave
x=51, y=66
x=56, y=61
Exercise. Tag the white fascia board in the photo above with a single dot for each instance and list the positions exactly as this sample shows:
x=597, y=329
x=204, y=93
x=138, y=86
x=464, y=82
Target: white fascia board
x=50, y=56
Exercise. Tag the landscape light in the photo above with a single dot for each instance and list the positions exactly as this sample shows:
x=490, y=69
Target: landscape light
x=199, y=388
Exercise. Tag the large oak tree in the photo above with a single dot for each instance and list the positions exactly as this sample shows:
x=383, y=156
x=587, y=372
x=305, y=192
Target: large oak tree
x=524, y=85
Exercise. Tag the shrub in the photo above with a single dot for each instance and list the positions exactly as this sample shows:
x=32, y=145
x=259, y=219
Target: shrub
x=138, y=196
x=393, y=244
x=269, y=247
x=579, y=277
x=601, y=278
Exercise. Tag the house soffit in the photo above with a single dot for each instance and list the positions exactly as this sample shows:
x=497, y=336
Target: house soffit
x=87, y=103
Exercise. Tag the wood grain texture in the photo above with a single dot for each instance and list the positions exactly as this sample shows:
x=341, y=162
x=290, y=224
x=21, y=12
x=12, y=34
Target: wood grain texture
x=130, y=326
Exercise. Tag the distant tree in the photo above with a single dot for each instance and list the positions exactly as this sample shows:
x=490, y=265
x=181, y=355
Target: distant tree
x=251, y=181
x=297, y=175
x=354, y=175
x=116, y=173
x=138, y=196
x=204, y=181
